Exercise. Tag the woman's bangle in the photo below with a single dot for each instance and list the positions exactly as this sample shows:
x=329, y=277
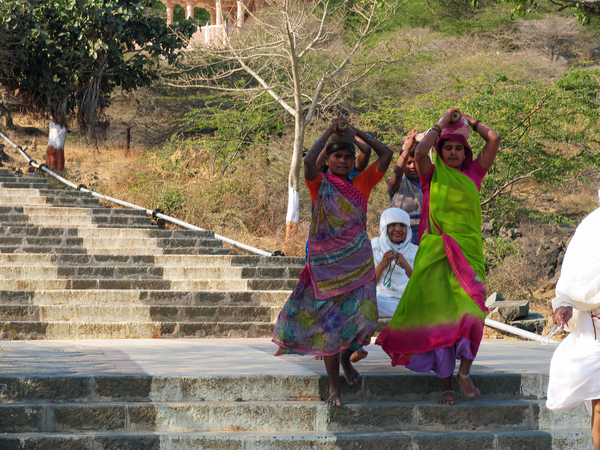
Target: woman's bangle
x=476, y=124
x=320, y=142
x=370, y=137
x=437, y=128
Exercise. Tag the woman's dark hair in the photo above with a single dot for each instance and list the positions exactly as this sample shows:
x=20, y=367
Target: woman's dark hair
x=332, y=148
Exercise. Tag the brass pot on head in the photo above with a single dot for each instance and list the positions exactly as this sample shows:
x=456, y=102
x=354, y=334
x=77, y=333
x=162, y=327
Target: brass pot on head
x=455, y=117
x=346, y=133
x=342, y=126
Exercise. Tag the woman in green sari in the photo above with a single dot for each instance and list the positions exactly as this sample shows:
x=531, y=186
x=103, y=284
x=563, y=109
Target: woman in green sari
x=441, y=314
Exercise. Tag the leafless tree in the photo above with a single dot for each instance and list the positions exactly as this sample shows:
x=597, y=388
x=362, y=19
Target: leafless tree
x=301, y=53
x=591, y=7
x=554, y=35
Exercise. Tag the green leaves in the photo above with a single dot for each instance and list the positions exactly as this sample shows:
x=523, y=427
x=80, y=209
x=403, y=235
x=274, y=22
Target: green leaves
x=64, y=46
x=552, y=128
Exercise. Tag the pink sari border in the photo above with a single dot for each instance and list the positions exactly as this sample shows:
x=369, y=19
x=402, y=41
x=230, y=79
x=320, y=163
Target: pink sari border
x=464, y=273
x=348, y=190
x=401, y=344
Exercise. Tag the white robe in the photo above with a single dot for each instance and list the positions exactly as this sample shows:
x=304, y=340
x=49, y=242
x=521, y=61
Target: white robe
x=575, y=366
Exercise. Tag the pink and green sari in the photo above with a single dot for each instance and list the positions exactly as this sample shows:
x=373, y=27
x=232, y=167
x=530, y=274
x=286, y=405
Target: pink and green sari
x=441, y=314
x=334, y=306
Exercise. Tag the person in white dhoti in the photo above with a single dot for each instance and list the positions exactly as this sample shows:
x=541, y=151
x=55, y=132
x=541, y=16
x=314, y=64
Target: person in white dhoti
x=575, y=366
x=394, y=256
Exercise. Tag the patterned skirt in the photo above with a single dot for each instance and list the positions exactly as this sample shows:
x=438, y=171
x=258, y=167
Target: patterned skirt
x=310, y=326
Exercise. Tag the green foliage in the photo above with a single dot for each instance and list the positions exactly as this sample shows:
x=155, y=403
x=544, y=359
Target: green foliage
x=484, y=17
x=200, y=14
x=228, y=126
x=497, y=249
x=582, y=11
x=170, y=200
x=547, y=131
x=67, y=49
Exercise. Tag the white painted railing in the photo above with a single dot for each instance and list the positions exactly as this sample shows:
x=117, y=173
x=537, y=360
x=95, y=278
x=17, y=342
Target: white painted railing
x=149, y=212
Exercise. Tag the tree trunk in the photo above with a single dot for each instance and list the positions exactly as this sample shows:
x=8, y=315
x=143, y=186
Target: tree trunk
x=4, y=111
x=127, y=141
x=55, y=153
x=293, y=209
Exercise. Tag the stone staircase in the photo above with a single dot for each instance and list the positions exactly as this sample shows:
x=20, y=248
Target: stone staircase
x=71, y=269
x=285, y=412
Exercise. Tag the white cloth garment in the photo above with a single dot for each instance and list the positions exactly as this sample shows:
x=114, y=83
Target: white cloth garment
x=391, y=285
x=575, y=366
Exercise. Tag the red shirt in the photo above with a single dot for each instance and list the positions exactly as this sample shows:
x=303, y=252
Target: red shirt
x=364, y=181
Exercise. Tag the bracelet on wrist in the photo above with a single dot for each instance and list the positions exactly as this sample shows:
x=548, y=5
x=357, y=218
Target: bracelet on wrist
x=476, y=124
x=320, y=142
x=370, y=137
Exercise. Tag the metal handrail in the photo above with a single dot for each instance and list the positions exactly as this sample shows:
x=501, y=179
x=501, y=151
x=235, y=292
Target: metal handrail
x=149, y=212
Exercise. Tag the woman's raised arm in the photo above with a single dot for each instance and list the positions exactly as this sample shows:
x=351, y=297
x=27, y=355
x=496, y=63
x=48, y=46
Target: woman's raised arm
x=384, y=153
x=492, y=142
x=311, y=169
x=422, y=159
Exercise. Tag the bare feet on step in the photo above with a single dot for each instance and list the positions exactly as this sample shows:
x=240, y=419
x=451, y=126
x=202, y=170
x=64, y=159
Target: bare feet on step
x=358, y=355
x=466, y=383
x=334, y=399
x=350, y=373
x=447, y=398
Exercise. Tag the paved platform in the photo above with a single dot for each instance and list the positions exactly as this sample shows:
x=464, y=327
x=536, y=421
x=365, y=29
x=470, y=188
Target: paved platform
x=221, y=357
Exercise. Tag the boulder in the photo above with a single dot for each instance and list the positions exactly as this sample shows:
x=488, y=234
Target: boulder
x=508, y=311
x=534, y=322
x=495, y=297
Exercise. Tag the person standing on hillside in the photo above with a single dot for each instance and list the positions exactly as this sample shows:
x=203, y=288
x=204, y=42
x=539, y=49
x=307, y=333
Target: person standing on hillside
x=404, y=186
x=441, y=314
x=575, y=366
x=333, y=309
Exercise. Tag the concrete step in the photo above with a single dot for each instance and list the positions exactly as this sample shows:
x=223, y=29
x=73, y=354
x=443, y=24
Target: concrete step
x=66, y=220
x=391, y=440
x=261, y=416
x=110, y=242
x=137, y=313
x=110, y=297
x=109, y=251
x=138, y=272
x=39, y=198
x=16, y=330
x=400, y=386
x=245, y=261
x=23, y=183
x=150, y=284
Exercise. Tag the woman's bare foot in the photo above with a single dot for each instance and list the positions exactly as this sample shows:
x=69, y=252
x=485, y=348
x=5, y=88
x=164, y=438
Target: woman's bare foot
x=319, y=357
x=358, y=355
x=334, y=399
x=447, y=398
x=468, y=388
x=350, y=373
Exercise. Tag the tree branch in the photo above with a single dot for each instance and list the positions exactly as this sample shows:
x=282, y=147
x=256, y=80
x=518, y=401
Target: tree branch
x=535, y=108
x=498, y=191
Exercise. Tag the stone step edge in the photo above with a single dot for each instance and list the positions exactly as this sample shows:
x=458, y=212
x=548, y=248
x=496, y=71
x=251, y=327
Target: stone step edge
x=320, y=440
x=144, y=387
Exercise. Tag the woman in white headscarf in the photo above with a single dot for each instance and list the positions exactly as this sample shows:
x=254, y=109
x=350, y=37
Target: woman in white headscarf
x=394, y=256
x=575, y=366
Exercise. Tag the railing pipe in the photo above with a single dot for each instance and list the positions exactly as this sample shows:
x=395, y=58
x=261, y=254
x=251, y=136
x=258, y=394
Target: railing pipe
x=149, y=212
x=519, y=332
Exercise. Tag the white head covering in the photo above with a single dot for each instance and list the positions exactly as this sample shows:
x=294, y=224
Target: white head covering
x=394, y=215
x=382, y=244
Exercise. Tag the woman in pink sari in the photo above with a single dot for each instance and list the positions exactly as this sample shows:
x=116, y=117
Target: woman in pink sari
x=333, y=310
